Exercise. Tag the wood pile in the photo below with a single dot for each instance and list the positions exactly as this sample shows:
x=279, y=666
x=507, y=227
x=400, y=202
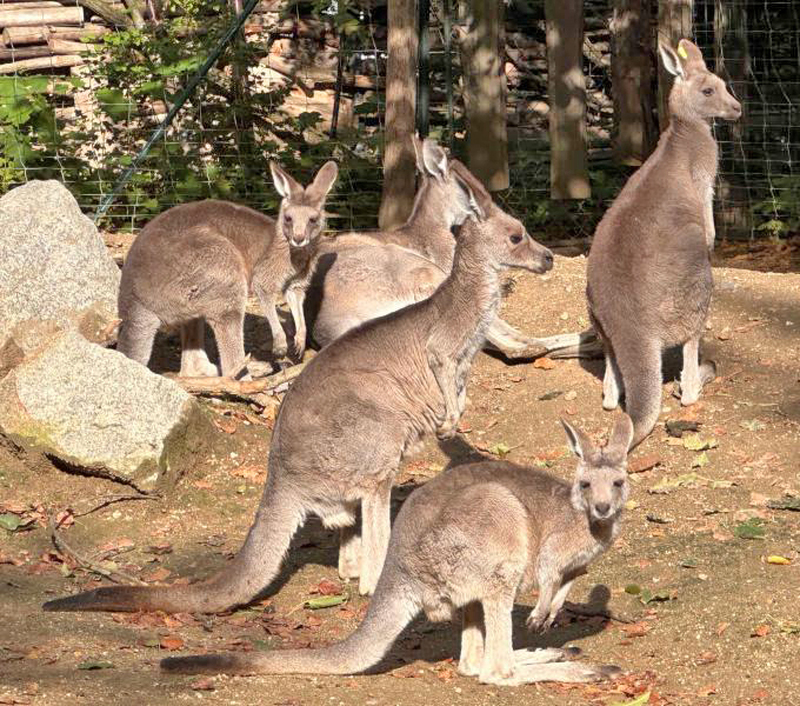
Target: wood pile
x=39, y=35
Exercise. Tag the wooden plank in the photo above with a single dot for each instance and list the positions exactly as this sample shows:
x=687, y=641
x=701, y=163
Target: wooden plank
x=15, y=36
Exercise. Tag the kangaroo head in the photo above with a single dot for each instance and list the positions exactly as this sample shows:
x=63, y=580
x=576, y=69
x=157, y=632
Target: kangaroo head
x=508, y=243
x=301, y=216
x=600, y=488
x=440, y=181
x=697, y=93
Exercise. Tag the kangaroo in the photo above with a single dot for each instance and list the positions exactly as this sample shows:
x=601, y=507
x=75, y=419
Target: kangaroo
x=198, y=261
x=649, y=276
x=349, y=418
x=365, y=275
x=475, y=537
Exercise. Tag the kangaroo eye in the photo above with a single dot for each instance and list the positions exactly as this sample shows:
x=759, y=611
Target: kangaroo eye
x=619, y=483
x=708, y=91
x=516, y=238
x=313, y=220
x=287, y=218
x=585, y=485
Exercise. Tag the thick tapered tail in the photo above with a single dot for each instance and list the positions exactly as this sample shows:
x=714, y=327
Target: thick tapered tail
x=389, y=612
x=253, y=569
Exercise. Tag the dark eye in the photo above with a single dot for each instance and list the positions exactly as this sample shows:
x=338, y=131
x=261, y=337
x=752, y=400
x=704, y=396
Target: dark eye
x=313, y=220
x=516, y=238
x=708, y=91
x=585, y=485
x=619, y=483
x=287, y=218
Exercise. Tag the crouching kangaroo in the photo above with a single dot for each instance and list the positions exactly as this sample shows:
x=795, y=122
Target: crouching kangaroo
x=198, y=261
x=473, y=538
x=365, y=275
x=649, y=270
x=349, y=418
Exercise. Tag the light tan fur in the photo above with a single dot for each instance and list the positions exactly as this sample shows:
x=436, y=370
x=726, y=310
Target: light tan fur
x=649, y=277
x=361, y=276
x=348, y=420
x=474, y=538
x=198, y=262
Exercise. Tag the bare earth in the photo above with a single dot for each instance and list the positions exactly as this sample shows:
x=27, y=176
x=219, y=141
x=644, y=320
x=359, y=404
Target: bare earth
x=722, y=625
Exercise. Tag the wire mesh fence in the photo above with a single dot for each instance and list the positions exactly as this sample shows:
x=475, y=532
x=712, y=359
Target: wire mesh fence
x=304, y=83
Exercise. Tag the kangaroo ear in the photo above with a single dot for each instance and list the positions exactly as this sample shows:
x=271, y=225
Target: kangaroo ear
x=690, y=56
x=621, y=437
x=285, y=185
x=478, y=200
x=670, y=60
x=434, y=159
x=469, y=202
x=317, y=191
x=416, y=142
x=580, y=444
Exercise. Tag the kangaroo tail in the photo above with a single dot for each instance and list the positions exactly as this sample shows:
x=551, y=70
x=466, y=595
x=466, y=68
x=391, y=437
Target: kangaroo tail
x=640, y=366
x=391, y=609
x=251, y=571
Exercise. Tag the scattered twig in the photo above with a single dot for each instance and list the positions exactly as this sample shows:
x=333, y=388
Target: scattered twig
x=64, y=548
x=110, y=500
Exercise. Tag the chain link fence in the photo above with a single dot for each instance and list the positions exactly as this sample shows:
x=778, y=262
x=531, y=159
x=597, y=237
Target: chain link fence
x=303, y=83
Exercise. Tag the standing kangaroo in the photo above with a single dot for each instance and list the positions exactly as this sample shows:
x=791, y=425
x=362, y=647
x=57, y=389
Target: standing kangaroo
x=475, y=537
x=649, y=270
x=350, y=417
x=198, y=261
x=365, y=275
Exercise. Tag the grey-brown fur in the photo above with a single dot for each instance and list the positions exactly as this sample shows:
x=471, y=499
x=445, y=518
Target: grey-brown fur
x=649, y=272
x=347, y=421
x=365, y=275
x=473, y=538
x=199, y=261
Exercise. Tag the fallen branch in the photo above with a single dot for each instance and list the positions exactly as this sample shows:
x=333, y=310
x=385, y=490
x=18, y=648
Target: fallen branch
x=45, y=62
x=111, y=500
x=244, y=389
x=65, y=549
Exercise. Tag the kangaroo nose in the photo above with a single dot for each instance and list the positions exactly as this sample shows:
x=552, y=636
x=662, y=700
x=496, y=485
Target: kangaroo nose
x=602, y=508
x=548, y=259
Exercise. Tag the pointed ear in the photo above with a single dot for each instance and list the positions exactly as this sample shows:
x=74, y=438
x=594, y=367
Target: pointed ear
x=416, y=142
x=434, y=159
x=670, y=60
x=285, y=185
x=690, y=56
x=468, y=199
x=317, y=191
x=580, y=444
x=621, y=437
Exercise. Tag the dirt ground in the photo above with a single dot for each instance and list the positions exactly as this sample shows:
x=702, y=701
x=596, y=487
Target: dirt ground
x=705, y=619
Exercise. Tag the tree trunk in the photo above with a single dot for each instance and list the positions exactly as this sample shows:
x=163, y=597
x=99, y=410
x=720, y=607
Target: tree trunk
x=635, y=131
x=482, y=54
x=569, y=169
x=399, y=163
x=732, y=58
x=46, y=62
x=674, y=24
x=15, y=36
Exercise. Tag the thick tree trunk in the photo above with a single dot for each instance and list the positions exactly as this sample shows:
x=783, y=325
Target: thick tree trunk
x=482, y=53
x=674, y=24
x=399, y=164
x=569, y=169
x=635, y=131
x=732, y=58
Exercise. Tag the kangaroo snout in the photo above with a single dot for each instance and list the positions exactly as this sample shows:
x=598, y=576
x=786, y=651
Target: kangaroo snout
x=735, y=110
x=602, y=510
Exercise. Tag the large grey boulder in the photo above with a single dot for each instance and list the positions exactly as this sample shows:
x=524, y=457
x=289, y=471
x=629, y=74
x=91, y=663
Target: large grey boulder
x=93, y=409
x=53, y=263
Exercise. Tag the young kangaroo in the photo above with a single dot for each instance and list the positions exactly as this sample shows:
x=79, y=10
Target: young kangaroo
x=198, y=261
x=365, y=275
x=475, y=537
x=348, y=420
x=649, y=272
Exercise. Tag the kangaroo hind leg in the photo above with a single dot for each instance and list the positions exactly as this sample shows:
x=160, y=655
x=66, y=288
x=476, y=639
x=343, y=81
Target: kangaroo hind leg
x=694, y=375
x=194, y=359
x=137, y=333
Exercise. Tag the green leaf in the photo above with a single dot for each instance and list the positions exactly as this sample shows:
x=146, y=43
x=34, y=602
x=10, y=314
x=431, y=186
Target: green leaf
x=500, y=449
x=95, y=665
x=10, y=521
x=700, y=460
x=787, y=502
x=114, y=103
x=752, y=425
x=689, y=563
x=751, y=529
x=320, y=602
x=647, y=596
x=693, y=442
x=633, y=589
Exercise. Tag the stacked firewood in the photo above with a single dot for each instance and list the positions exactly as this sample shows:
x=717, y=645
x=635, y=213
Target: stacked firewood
x=39, y=35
